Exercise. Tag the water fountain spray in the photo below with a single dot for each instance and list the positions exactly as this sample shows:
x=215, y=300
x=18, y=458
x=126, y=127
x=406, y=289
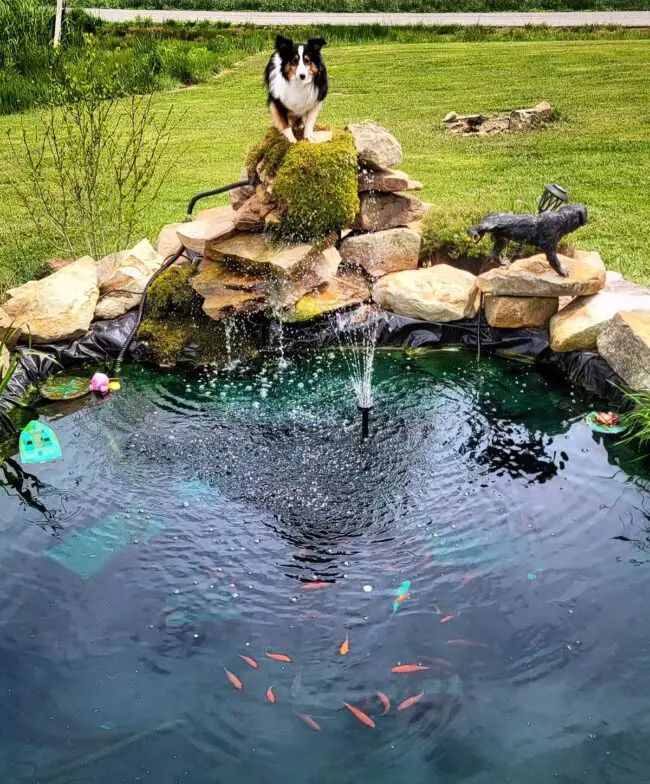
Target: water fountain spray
x=359, y=354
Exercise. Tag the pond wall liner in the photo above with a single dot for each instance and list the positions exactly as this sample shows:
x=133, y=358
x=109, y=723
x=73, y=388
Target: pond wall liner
x=586, y=369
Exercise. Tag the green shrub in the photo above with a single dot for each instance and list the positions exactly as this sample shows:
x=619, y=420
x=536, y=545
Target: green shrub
x=318, y=185
x=445, y=230
x=171, y=293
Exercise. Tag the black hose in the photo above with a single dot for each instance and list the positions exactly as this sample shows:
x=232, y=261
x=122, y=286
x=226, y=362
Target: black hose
x=143, y=301
x=165, y=265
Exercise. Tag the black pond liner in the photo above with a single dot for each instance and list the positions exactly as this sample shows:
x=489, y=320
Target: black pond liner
x=586, y=369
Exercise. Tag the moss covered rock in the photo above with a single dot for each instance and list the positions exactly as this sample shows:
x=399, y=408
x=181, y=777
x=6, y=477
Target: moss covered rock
x=315, y=184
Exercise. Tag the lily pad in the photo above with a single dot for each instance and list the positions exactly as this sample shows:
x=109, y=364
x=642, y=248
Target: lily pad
x=64, y=387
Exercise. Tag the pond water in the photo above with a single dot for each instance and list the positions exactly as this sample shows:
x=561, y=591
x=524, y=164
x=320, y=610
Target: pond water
x=190, y=516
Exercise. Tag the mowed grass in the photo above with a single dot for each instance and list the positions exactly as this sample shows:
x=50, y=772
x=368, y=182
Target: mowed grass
x=599, y=149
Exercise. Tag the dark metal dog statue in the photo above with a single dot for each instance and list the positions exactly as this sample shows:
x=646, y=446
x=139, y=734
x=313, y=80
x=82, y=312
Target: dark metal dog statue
x=544, y=231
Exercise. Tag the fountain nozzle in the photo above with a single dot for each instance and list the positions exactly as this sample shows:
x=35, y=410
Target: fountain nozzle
x=365, y=420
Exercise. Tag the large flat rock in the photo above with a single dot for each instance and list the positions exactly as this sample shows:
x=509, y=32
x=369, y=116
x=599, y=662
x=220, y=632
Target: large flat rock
x=168, y=241
x=216, y=223
x=519, y=312
x=376, y=147
x=124, y=278
x=345, y=290
x=440, y=293
x=381, y=211
x=534, y=277
x=383, y=251
x=388, y=181
x=577, y=326
x=58, y=307
x=625, y=343
x=254, y=252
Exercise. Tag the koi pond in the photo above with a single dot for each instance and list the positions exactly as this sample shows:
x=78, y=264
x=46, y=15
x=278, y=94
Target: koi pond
x=221, y=582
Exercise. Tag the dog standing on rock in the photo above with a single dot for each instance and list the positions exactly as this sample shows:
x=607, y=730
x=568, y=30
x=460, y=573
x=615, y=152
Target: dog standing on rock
x=296, y=79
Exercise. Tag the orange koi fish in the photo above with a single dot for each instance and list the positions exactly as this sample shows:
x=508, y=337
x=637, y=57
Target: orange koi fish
x=409, y=668
x=249, y=661
x=409, y=701
x=359, y=714
x=384, y=701
x=468, y=644
x=345, y=646
x=315, y=585
x=281, y=657
x=437, y=662
x=313, y=725
x=234, y=679
x=270, y=696
x=402, y=598
x=448, y=618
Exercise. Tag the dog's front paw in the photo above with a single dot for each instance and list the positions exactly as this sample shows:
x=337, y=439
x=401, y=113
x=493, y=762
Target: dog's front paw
x=562, y=271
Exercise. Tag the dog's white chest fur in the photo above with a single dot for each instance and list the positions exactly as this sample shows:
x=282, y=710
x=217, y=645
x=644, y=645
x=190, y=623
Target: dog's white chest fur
x=297, y=96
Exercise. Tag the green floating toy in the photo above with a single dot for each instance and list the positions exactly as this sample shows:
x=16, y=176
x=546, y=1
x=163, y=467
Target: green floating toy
x=38, y=443
x=605, y=422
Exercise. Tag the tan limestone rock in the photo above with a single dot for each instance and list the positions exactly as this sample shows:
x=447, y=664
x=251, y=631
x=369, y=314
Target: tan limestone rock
x=534, y=277
x=440, y=293
x=376, y=147
x=381, y=211
x=58, y=307
x=625, y=343
x=384, y=251
x=516, y=312
x=121, y=289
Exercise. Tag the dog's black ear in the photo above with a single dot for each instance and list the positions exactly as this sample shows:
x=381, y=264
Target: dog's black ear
x=316, y=44
x=283, y=44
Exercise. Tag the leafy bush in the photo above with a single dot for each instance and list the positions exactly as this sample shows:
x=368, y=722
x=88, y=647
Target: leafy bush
x=94, y=162
x=445, y=230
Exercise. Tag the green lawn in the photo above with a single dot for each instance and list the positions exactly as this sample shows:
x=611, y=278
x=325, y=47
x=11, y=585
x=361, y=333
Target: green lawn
x=600, y=150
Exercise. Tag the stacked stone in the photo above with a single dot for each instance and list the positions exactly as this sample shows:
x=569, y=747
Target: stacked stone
x=244, y=270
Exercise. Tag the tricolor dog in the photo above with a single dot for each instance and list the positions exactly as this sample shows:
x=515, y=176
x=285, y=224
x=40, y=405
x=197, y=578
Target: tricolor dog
x=296, y=79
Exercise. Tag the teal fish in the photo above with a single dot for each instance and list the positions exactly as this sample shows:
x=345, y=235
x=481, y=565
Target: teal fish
x=401, y=594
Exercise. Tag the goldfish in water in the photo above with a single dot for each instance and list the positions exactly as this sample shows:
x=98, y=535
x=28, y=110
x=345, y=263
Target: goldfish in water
x=401, y=595
x=467, y=644
x=437, y=662
x=315, y=585
x=249, y=661
x=270, y=696
x=409, y=701
x=345, y=646
x=359, y=714
x=234, y=679
x=448, y=618
x=281, y=657
x=313, y=725
x=383, y=698
x=409, y=668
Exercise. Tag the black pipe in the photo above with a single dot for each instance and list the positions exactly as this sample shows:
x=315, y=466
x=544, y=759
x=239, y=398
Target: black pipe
x=214, y=192
x=365, y=421
x=165, y=265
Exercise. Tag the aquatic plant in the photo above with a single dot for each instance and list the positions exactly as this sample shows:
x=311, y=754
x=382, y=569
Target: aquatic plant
x=638, y=419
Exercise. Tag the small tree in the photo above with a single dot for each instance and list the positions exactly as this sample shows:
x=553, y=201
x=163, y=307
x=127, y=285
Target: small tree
x=95, y=161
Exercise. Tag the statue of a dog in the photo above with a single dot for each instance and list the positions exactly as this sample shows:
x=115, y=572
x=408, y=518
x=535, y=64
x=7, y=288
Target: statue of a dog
x=544, y=231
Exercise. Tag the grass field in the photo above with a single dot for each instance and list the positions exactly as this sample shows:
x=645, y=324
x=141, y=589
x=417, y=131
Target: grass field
x=599, y=150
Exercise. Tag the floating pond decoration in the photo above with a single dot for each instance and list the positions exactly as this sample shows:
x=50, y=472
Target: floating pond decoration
x=38, y=443
x=64, y=386
x=605, y=422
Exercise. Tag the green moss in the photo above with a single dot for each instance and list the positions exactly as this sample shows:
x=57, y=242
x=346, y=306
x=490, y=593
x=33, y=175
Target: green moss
x=318, y=184
x=445, y=230
x=271, y=148
x=172, y=293
x=165, y=338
